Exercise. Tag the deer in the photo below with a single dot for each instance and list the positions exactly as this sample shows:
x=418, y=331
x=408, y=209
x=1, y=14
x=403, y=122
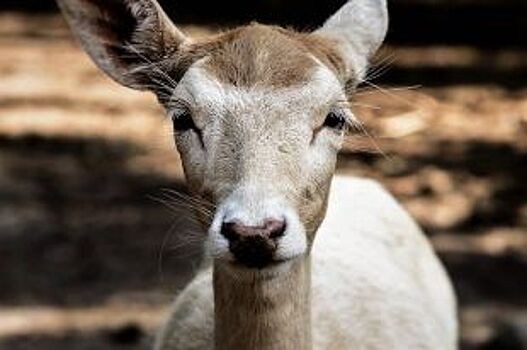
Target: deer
x=259, y=114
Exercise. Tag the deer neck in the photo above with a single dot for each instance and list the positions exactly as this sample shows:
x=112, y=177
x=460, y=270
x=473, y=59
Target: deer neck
x=263, y=312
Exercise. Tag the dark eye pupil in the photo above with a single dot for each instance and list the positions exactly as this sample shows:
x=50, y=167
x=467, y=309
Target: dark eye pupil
x=183, y=122
x=335, y=121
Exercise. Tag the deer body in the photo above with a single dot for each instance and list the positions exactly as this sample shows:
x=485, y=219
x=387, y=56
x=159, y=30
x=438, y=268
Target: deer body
x=376, y=283
x=259, y=114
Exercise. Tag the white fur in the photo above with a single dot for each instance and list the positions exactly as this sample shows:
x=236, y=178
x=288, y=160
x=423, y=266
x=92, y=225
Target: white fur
x=254, y=200
x=238, y=208
x=199, y=88
x=377, y=284
x=360, y=27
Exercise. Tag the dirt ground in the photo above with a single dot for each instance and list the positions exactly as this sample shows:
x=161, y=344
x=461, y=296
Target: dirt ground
x=89, y=258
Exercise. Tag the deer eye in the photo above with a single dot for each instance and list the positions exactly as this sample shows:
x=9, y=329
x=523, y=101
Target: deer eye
x=183, y=121
x=335, y=120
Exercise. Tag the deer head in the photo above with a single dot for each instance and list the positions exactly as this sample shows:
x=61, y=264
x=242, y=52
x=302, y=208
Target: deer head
x=259, y=112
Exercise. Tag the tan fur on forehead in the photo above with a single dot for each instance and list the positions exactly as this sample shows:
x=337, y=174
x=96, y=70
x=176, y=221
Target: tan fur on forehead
x=260, y=55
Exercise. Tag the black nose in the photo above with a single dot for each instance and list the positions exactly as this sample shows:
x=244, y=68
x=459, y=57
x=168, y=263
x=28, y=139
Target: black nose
x=253, y=246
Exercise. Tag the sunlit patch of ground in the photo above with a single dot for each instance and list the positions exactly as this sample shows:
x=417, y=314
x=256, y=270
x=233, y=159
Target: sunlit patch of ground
x=89, y=259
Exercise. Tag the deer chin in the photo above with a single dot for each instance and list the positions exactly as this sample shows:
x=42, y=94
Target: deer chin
x=273, y=269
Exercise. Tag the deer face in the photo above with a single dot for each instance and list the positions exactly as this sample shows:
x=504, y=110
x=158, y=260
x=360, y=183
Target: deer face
x=262, y=154
x=259, y=112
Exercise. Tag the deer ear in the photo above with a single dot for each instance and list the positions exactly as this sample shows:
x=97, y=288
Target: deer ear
x=359, y=28
x=125, y=38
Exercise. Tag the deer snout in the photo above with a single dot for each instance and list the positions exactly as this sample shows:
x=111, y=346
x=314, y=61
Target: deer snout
x=253, y=246
x=272, y=228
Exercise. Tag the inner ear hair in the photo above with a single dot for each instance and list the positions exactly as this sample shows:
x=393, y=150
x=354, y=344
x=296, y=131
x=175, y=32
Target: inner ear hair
x=127, y=39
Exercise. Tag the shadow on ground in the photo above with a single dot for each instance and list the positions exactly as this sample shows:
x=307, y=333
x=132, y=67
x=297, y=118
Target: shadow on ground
x=78, y=226
x=129, y=337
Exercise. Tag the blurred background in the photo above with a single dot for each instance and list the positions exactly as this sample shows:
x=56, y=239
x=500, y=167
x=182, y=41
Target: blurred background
x=90, y=258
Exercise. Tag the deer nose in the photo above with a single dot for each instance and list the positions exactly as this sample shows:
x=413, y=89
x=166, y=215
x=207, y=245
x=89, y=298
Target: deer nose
x=253, y=246
x=272, y=228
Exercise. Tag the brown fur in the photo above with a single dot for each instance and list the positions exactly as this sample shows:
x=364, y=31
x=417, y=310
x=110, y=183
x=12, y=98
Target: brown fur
x=261, y=55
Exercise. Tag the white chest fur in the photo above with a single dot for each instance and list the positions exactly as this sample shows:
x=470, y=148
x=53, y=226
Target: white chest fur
x=376, y=283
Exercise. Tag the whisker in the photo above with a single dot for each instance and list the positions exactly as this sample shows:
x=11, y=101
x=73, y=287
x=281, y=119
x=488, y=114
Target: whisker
x=160, y=256
x=381, y=67
x=388, y=93
x=360, y=127
x=172, y=204
x=360, y=104
x=193, y=199
x=371, y=90
x=152, y=64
